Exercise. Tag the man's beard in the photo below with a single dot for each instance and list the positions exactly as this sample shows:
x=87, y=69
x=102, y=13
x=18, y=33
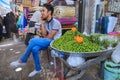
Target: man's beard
x=45, y=19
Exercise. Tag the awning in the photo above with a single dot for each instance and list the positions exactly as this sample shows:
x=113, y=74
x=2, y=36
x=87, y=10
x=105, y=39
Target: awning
x=4, y=7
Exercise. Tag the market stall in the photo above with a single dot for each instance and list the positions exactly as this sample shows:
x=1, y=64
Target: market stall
x=83, y=54
x=66, y=12
x=89, y=21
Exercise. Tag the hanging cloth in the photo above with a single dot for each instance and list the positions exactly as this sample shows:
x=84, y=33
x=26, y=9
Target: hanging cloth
x=19, y=24
x=105, y=22
x=22, y=21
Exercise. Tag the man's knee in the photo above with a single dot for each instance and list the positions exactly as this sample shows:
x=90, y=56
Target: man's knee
x=32, y=40
x=35, y=49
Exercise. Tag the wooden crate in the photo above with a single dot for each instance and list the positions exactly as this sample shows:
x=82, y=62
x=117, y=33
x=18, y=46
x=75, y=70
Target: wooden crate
x=67, y=26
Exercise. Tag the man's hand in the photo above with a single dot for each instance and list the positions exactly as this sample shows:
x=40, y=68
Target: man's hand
x=38, y=32
x=43, y=29
x=42, y=22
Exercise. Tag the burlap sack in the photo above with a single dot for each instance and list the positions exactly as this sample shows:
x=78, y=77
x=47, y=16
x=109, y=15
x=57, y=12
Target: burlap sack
x=64, y=11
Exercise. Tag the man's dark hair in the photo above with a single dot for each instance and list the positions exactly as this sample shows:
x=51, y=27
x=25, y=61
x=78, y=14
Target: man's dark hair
x=49, y=7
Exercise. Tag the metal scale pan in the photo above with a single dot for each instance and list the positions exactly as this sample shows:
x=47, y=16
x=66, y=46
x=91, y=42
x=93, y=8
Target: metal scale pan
x=84, y=54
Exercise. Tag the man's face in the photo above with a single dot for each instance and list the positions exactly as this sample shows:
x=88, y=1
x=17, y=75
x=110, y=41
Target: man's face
x=44, y=13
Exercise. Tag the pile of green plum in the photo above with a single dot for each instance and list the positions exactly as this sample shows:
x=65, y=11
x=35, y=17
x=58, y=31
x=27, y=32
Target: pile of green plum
x=67, y=43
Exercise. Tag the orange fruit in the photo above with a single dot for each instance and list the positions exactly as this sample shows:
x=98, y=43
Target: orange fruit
x=73, y=28
x=78, y=39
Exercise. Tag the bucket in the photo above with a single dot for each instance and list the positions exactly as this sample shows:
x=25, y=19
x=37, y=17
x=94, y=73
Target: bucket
x=111, y=71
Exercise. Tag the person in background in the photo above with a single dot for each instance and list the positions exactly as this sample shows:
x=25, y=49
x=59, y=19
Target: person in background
x=1, y=28
x=50, y=30
x=10, y=24
x=33, y=21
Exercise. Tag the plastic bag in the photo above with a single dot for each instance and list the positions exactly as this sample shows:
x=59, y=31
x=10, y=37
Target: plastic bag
x=116, y=54
x=111, y=71
x=74, y=60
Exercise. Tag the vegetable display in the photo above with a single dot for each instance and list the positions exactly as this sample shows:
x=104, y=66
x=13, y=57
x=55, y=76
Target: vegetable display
x=75, y=43
x=104, y=40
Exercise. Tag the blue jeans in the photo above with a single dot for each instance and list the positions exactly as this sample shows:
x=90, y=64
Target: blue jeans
x=34, y=46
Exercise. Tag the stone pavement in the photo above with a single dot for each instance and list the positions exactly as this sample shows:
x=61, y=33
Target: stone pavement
x=10, y=51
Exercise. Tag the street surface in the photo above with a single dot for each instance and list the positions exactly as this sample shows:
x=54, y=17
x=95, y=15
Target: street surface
x=11, y=51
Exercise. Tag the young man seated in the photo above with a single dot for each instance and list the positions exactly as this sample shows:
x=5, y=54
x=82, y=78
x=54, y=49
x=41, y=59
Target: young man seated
x=50, y=30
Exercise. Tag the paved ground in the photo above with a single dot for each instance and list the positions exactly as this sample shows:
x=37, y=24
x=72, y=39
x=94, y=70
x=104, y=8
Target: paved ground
x=10, y=51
